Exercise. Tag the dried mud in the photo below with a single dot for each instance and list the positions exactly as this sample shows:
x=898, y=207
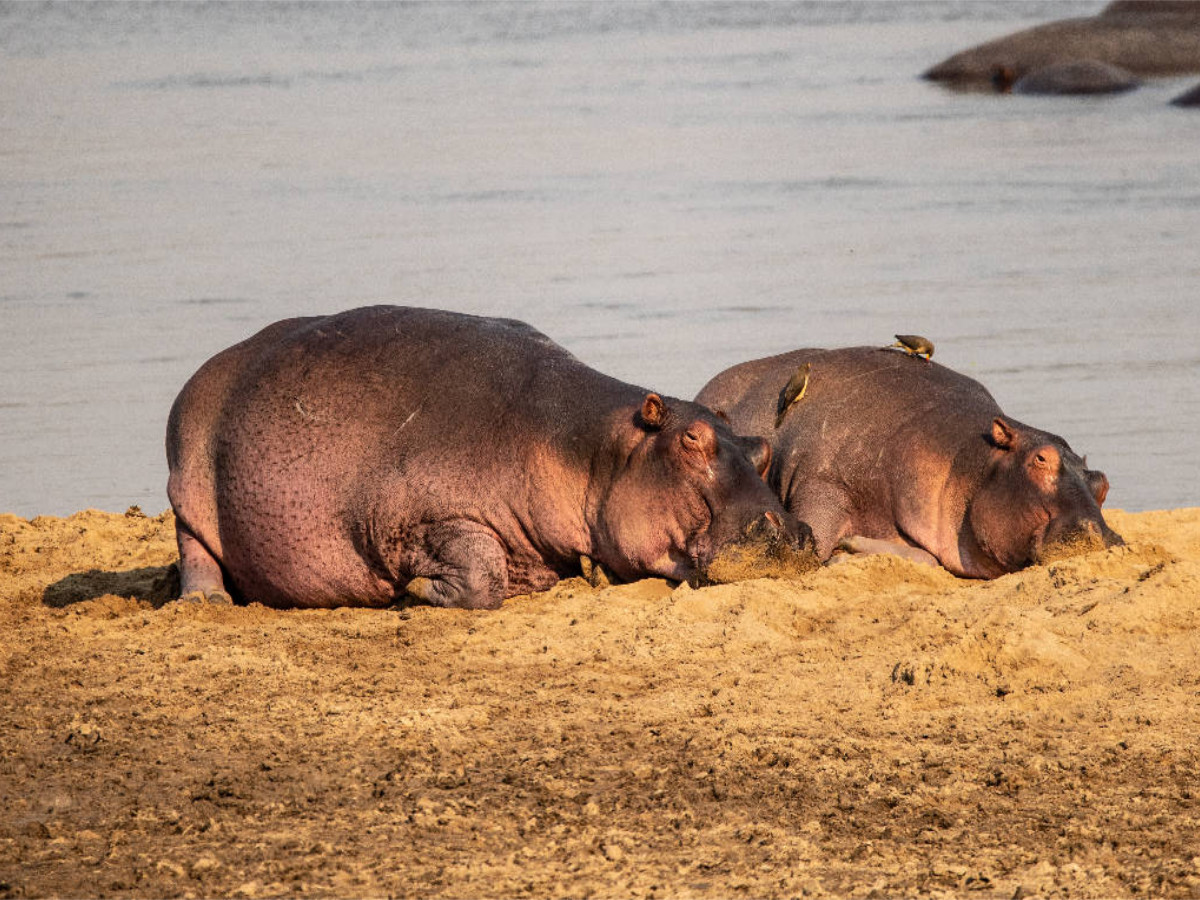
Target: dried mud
x=874, y=728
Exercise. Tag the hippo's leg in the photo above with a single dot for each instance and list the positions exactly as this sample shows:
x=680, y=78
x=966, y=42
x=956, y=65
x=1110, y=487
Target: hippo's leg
x=864, y=545
x=594, y=573
x=200, y=576
x=827, y=511
x=470, y=568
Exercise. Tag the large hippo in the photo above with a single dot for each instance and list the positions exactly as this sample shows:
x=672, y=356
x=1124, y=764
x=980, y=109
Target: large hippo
x=886, y=451
x=354, y=459
x=1138, y=39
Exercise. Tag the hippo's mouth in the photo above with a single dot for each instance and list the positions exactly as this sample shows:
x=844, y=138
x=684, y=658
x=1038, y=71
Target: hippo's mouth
x=687, y=563
x=1087, y=537
x=677, y=565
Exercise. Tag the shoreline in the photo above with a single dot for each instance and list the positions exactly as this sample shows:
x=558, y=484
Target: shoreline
x=873, y=726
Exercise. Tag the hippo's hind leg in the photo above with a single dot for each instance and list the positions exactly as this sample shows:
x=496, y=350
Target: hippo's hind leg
x=469, y=568
x=200, y=576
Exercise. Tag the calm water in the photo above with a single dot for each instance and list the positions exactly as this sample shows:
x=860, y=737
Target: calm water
x=666, y=189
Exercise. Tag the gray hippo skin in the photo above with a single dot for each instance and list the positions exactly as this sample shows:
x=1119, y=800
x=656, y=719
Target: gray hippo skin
x=1085, y=76
x=890, y=452
x=1144, y=39
x=351, y=459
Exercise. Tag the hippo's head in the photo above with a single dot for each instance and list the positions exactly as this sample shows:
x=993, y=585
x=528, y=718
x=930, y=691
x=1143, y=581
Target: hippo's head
x=687, y=489
x=1038, y=501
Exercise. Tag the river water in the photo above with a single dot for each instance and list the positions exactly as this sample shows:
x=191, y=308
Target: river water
x=665, y=189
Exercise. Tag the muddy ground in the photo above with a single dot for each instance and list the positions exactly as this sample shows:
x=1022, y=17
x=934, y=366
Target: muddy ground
x=872, y=729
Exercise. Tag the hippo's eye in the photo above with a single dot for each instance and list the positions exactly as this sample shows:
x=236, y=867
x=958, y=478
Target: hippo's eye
x=1045, y=460
x=700, y=440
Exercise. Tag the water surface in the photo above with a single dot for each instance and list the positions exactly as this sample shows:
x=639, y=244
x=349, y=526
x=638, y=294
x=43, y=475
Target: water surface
x=665, y=189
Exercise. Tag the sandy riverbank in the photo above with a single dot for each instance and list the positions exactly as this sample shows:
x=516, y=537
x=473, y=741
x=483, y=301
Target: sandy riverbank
x=873, y=727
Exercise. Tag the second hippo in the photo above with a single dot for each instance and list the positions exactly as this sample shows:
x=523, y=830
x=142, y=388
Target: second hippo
x=1131, y=39
x=888, y=452
x=359, y=458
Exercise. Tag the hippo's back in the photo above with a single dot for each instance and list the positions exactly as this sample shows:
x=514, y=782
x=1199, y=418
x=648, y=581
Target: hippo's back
x=864, y=409
x=856, y=387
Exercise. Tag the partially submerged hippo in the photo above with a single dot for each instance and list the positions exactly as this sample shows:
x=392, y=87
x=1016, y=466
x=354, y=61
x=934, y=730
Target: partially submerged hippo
x=347, y=460
x=888, y=452
x=1137, y=39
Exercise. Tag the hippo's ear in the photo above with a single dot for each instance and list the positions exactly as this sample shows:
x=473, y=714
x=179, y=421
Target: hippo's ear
x=654, y=411
x=759, y=452
x=1003, y=435
x=1098, y=484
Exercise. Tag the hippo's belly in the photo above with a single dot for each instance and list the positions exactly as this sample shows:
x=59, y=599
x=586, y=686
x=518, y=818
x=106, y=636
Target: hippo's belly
x=305, y=557
x=293, y=532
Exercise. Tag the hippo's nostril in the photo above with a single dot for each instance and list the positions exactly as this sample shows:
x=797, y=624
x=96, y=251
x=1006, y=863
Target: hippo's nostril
x=767, y=528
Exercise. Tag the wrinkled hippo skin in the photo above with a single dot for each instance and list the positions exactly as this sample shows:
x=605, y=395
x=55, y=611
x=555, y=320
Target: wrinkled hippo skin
x=1189, y=98
x=1145, y=39
x=359, y=458
x=887, y=451
x=1077, y=77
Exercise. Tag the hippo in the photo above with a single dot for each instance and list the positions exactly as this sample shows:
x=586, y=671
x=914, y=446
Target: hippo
x=888, y=452
x=1141, y=39
x=389, y=455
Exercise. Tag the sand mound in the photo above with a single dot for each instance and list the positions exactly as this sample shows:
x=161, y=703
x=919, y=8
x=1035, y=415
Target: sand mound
x=872, y=728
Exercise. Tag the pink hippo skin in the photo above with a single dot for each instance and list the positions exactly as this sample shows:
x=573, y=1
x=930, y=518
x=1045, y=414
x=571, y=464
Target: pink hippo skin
x=351, y=459
x=887, y=452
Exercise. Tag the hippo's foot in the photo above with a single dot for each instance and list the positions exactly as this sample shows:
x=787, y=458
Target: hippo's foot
x=200, y=576
x=469, y=568
x=859, y=545
x=448, y=593
x=214, y=597
x=422, y=590
x=594, y=573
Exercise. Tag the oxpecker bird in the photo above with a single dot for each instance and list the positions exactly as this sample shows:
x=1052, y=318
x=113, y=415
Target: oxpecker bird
x=913, y=345
x=794, y=391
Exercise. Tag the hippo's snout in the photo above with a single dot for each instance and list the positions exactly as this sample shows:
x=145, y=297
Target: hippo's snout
x=1076, y=538
x=772, y=528
x=771, y=546
x=769, y=527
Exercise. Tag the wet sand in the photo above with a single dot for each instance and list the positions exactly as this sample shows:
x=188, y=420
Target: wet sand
x=870, y=729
